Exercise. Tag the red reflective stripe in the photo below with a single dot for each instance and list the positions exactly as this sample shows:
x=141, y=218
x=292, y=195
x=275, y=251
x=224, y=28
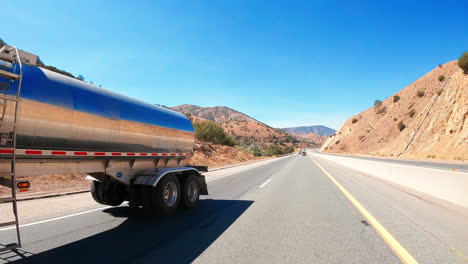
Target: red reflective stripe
x=83, y=153
x=33, y=152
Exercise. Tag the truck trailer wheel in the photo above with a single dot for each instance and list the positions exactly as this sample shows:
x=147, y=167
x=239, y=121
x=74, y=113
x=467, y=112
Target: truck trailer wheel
x=190, y=192
x=163, y=199
x=108, y=193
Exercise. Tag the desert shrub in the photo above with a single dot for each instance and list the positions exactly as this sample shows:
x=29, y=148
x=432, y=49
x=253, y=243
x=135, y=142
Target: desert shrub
x=382, y=110
x=463, y=62
x=411, y=113
x=396, y=98
x=272, y=149
x=401, y=126
x=440, y=65
x=208, y=131
x=288, y=149
x=354, y=120
x=257, y=152
x=441, y=78
x=420, y=93
x=439, y=92
x=395, y=119
x=337, y=142
x=377, y=102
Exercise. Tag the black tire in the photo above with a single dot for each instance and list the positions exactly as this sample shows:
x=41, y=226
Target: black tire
x=190, y=196
x=115, y=194
x=146, y=202
x=108, y=193
x=96, y=191
x=166, y=206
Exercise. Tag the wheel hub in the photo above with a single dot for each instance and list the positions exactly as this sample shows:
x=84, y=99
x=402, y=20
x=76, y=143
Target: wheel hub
x=170, y=194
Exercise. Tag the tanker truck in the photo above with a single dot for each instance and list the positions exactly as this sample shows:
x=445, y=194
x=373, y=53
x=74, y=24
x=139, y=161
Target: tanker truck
x=54, y=124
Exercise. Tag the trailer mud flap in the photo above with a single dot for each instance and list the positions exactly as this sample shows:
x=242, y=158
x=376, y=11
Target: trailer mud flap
x=202, y=184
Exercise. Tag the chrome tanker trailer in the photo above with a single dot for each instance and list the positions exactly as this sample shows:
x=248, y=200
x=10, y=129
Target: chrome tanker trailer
x=54, y=124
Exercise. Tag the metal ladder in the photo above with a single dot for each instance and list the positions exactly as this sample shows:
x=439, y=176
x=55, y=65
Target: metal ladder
x=8, y=145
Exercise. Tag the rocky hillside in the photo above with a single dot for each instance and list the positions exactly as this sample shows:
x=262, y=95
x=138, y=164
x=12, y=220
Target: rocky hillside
x=243, y=127
x=214, y=155
x=427, y=119
x=318, y=130
x=218, y=114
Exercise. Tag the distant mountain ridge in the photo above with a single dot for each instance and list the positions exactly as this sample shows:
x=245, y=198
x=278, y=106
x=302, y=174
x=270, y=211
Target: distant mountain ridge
x=243, y=127
x=319, y=130
x=217, y=114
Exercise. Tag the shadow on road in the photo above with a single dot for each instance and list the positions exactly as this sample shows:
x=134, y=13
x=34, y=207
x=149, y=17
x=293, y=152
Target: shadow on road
x=179, y=239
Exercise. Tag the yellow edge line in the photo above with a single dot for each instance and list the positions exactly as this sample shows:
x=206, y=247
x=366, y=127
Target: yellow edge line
x=399, y=250
x=459, y=254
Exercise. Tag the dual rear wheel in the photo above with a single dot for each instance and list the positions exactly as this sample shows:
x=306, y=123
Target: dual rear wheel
x=169, y=194
x=163, y=200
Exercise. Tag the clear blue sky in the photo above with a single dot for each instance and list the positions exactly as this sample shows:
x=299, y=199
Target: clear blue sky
x=286, y=63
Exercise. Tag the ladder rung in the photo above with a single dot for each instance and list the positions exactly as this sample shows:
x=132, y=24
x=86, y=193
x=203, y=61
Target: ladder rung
x=7, y=97
x=4, y=148
x=9, y=247
x=9, y=75
x=8, y=223
x=7, y=123
x=7, y=200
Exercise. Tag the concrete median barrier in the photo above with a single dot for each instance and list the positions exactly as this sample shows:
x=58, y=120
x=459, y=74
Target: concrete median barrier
x=447, y=185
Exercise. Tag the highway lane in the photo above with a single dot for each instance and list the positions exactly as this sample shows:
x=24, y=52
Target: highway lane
x=427, y=164
x=287, y=210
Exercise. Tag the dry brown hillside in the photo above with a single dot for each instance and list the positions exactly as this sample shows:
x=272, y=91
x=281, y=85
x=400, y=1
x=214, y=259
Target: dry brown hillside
x=243, y=127
x=442, y=134
x=214, y=155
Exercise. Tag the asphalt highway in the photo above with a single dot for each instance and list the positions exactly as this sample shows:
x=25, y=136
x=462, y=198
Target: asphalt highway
x=296, y=209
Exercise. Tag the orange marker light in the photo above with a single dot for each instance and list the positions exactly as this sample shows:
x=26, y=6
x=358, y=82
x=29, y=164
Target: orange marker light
x=23, y=185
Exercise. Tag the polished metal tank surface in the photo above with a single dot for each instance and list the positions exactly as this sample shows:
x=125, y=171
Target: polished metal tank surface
x=62, y=115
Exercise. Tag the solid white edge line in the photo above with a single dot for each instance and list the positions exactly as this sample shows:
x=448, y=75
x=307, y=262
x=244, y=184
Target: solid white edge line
x=56, y=218
x=265, y=183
